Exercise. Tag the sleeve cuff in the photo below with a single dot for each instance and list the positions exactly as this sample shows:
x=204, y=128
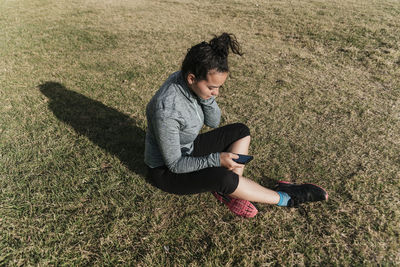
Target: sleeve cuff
x=214, y=160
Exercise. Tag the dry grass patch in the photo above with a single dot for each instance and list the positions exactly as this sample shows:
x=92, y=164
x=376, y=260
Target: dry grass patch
x=318, y=86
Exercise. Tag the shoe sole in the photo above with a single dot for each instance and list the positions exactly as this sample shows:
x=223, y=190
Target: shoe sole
x=327, y=195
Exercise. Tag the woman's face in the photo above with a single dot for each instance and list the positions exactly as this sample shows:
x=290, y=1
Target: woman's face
x=207, y=88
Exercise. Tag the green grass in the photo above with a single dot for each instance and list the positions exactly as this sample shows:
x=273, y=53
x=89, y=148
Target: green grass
x=319, y=87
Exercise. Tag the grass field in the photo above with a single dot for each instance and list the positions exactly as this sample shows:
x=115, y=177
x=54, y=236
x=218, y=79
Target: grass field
x=319, y=87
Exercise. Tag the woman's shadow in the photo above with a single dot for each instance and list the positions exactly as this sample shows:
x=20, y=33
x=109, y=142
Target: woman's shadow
x=108, y=128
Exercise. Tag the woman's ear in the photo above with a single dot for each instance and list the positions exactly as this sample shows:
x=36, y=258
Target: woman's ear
x=191, y=79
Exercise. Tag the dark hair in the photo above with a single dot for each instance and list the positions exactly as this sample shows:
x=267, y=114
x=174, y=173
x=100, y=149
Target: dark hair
x=203, y=57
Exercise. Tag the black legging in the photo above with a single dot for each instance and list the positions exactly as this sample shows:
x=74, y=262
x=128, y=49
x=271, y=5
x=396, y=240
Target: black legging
x=217, y=179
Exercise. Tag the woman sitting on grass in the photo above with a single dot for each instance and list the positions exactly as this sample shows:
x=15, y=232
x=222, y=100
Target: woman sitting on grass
x=182, y=161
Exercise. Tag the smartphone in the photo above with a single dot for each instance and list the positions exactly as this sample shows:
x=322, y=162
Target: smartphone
x=243, y=159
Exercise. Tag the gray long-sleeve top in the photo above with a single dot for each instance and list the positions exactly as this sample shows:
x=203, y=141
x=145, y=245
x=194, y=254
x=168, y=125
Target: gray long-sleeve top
x=175, y=116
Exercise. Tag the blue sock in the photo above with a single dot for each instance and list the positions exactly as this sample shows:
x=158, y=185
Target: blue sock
x=284, y=199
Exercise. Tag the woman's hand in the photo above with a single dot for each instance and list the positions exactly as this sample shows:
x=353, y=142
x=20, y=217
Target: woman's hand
x=227, y=162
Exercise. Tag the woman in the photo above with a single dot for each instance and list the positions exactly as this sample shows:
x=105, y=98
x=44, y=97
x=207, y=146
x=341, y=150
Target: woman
x=182, y=161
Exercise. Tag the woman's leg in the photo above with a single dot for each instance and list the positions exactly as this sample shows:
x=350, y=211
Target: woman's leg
x=216, y=140
x=248, y=189
x=252, y=191
x=235, y=138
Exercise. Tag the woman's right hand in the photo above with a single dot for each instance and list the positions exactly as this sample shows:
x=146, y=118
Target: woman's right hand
x=227, y=162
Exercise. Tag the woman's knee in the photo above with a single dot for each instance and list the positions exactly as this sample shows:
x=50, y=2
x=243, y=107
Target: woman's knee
x=228, y=182
x=242, y=129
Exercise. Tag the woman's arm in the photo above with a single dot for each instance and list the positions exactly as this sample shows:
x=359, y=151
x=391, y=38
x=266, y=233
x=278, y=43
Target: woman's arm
x=212, y=113
x=166, y=132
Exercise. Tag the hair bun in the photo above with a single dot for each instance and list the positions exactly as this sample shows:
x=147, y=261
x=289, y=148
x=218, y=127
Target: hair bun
x=222, y=43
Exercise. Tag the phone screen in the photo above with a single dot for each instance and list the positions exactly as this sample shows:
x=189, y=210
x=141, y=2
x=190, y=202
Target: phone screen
x=243, y=159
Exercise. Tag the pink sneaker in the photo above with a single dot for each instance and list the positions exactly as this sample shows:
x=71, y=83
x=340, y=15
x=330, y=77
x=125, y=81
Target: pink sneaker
x=240, y=207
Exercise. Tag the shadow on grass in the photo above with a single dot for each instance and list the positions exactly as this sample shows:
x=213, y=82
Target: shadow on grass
x=108, y=128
